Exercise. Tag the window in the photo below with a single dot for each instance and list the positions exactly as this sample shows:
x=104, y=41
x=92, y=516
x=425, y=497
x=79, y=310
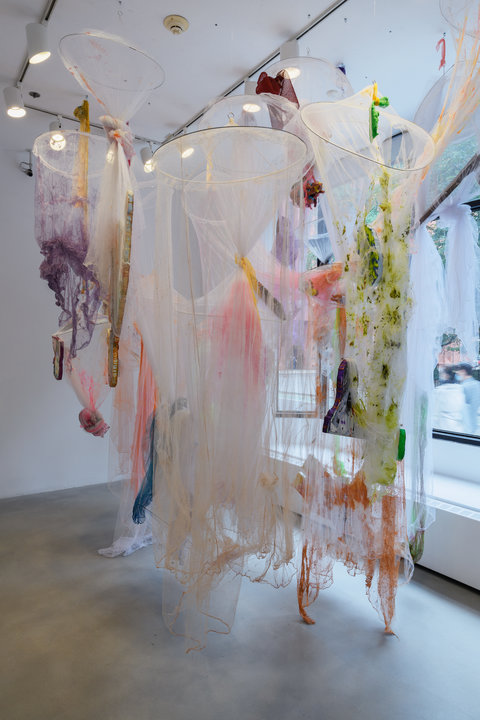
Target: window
x=456, y=402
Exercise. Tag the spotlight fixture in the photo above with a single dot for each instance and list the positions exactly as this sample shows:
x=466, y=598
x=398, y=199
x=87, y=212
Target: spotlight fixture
x=252, y=107
x=187, y=152
x=250, y=89
x=57, y=140
x=37, y=43
x=287, y=51
x=147, y=158
x=292, y=72
x=14, y=102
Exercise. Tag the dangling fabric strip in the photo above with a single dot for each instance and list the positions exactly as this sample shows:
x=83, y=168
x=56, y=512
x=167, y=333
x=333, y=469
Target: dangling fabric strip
x=374, y=112
x=441, y=46
x=146, y=404
x=119, y=293
x=145, y=494
x=247, y=268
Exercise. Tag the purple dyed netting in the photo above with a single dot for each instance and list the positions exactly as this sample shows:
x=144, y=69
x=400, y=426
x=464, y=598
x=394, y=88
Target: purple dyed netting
x=67, y=179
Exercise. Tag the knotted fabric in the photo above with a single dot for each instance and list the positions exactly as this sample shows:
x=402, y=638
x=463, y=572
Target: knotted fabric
x=93, y=422
x=118, y=131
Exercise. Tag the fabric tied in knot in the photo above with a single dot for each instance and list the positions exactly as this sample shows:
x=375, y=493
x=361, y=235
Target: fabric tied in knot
x=118, y=131
x=93, y=422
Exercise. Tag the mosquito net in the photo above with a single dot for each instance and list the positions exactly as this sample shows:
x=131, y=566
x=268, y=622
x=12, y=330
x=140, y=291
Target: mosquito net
x=67, y=181
x=462, y=15
x=371, y=163
x=87, y=374
x=120, y=78
x=216, y=316
x=303, y=80
x=445, y=282
x=312, y=80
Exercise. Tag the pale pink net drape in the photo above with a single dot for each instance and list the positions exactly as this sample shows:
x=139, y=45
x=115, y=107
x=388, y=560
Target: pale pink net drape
x=216, y=320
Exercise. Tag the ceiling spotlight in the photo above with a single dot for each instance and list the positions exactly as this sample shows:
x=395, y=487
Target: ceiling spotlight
x=288, y=51
x=251, y=89
x=187, y=152
x=14, y=102
x=291, y=72
x=57, y=139
x=147, y=159
x=37, y=43
x=252, y=107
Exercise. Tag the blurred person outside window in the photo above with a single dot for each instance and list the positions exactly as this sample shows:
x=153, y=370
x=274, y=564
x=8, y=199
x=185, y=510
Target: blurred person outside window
x=471, y=389
x=449, y=405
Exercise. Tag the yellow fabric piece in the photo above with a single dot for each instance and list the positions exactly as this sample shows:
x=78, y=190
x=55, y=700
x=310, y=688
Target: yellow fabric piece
x=82, y=113
x=247, y=268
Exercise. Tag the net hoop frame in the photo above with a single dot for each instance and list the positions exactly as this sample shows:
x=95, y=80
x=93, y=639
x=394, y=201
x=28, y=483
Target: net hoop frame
x=46, y=136
x=429, y=143
x=229, y=129
x=118, y=41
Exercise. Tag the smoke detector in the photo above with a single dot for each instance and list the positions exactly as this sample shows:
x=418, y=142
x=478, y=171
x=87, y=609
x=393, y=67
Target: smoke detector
x=176, y=24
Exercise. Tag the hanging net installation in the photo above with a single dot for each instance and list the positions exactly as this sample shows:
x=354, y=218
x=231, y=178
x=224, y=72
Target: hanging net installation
x=258, y=313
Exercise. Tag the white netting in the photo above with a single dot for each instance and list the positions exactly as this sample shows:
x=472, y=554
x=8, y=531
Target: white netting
x=371, y=173
x=119, y=76
x=214, y=329
x=462, y=15
x=67, y=181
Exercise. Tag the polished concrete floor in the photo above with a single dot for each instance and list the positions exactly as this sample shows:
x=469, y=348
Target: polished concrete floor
x=83, y=637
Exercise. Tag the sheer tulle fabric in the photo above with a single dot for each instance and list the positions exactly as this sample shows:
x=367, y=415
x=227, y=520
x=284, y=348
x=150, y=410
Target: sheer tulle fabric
x=116, y=74
x=462, y=15
x=265, y=110
x=214, y=348
x=423, y=344
x=87, y=374
x=67, y=181
x=447, y=111
x=370, y=189
x=120, y=77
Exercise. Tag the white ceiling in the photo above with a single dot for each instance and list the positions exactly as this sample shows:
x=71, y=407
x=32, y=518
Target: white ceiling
x=386, y=40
